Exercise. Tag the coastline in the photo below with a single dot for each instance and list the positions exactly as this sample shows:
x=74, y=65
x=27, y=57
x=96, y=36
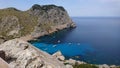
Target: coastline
x=53, y=30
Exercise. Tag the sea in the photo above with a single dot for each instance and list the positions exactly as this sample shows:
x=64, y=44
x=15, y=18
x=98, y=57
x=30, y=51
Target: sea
x=95, y=40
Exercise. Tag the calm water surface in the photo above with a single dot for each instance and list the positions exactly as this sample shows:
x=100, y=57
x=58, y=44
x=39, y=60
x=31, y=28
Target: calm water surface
x=95, y=40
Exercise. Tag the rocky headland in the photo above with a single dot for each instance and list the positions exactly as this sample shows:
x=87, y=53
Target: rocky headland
x=33, y=23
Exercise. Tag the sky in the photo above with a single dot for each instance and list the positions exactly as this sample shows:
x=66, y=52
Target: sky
x=82, y=8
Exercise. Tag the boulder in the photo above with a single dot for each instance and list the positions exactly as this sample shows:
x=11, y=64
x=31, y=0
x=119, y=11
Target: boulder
x=59, y=56
x=23, y=55
x=104, y=66
x=73, y=62
x=69, y=66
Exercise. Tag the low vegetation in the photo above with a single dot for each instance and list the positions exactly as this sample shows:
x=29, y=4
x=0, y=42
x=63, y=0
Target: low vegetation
x=25, y=20
x=84, y=66
x=118, y=66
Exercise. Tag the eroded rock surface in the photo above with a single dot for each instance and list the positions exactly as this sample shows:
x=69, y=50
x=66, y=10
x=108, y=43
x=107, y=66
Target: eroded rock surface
x=23, y=55
x=59, y=56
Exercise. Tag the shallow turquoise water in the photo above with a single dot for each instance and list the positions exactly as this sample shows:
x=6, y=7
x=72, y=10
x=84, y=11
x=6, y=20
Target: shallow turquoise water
x=68, y=49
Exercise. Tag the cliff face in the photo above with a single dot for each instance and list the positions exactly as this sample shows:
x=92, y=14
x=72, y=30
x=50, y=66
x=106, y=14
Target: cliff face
x=37, y=21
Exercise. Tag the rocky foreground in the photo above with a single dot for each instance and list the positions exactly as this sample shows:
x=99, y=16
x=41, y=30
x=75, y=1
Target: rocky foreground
x=20, y=54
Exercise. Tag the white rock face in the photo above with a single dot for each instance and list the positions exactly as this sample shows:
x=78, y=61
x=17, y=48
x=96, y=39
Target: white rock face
x=104, y=66
x=59, y=56
x=69, y=66
x=73, y=62
x=23, y=55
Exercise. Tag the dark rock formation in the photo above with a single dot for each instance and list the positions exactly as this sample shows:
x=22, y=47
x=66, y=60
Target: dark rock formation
x=2, y=54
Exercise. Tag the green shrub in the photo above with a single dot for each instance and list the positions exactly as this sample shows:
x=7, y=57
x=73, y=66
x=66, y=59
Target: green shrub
x=84, y=66
x=118, y=67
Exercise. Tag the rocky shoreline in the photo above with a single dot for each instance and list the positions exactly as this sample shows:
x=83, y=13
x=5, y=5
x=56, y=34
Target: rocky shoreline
x=54, y=29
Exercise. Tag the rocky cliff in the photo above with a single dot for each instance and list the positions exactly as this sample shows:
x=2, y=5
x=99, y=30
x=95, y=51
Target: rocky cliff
x=35, y=22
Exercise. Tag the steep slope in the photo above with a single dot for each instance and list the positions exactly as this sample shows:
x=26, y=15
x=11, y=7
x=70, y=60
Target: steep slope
x=35, y=22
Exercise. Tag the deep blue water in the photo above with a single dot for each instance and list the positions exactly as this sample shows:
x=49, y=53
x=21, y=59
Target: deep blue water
x=95, y=40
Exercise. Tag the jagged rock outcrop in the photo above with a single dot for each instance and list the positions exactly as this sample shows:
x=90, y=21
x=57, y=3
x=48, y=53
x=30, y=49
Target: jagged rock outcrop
x=37, y=21
x=21, y=54
x=59, y=56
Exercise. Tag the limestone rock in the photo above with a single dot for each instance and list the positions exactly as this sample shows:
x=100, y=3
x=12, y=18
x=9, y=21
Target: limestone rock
x=59, y=56
x=23, y=55
x=104, y=66
x=73, y=62
x=80, y=62
x=69, y=66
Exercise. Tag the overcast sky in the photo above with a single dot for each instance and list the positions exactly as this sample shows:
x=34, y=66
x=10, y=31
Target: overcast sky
x=74, y=7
